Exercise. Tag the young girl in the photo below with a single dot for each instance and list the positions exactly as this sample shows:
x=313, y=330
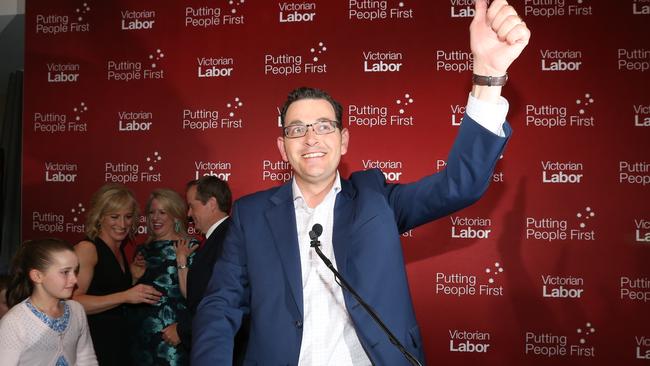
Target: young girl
x=42, y=327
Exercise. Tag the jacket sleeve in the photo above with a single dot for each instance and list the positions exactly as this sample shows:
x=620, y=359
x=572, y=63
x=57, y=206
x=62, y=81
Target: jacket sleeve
x=470, y=165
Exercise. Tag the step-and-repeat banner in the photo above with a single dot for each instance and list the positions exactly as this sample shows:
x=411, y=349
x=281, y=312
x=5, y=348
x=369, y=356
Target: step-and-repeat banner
x=551, y=267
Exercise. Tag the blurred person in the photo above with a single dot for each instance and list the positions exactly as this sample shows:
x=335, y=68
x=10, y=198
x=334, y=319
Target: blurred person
x=43, y=325
x=167, y=255
x=105, y=283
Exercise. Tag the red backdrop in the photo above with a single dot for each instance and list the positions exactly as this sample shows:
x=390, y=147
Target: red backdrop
x=549, y=268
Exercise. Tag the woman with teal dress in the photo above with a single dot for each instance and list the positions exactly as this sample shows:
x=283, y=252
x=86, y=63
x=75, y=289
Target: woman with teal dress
x=165, y=257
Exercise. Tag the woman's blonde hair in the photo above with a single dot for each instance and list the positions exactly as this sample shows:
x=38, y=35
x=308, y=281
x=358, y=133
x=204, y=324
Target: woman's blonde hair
x=108, y=199
x=173, y=205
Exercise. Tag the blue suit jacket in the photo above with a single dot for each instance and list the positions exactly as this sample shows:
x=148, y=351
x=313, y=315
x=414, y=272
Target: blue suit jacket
x=259, y=271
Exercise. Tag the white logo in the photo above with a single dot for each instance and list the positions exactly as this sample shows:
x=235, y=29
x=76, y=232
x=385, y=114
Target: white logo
x=287, y=64
x=552, y=345
x=62, y=73
x=642, y=347
x=555, y=172
x=62, y=23
x=635, y=289
x=213, y=67
x=640, y=9
x=457, y=112
x=60, y=172
x=380, y=61
x=208, y=119
x=134, y=121
x=562, y=287
x=642, y=115
x=392, y=170
x=550, y=116
x=378, y=10
x=206, y=16
x=137, y=20
x=462, y=8
x=556, y=60
x=135, y=70
x=123, y=172
x=642, y=233
x=552, y=229
x=454, y=60
x=61, y=122
x=297, y=12
x=634, y=60
x=458, y=284
x=634, y=172
x=467, y=341
x=55, y=222
x=276, y=171
x=470, y=228
x=378, y=116
x=219, y=169
x=553, y=8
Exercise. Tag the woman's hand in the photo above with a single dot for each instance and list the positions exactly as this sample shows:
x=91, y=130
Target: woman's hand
x=142, y=294
x=183, y=251
x=138, y=266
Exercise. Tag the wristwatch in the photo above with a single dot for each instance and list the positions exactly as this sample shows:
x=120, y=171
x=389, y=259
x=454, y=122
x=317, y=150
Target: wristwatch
x=489, y=80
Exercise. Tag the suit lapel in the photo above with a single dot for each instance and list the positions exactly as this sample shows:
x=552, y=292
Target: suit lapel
x=282, y=222
x=343, y=219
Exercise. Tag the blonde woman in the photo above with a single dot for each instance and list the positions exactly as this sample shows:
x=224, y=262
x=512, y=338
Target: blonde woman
x=168, y=253
x=105, y=283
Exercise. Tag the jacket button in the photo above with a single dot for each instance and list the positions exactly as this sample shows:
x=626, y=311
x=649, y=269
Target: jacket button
x=298, y=324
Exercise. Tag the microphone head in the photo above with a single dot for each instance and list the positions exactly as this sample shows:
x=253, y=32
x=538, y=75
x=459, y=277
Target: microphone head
x=315, y=232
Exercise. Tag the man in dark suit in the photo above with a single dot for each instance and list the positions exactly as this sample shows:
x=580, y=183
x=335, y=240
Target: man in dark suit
x=209, y=200
x=298, y=313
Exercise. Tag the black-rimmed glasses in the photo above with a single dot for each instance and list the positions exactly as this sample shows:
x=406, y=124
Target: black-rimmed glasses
x=321, y=127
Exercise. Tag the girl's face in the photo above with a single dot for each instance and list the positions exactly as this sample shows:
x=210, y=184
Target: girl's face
x=115, y=226
x=59, y=279
x=161, y=222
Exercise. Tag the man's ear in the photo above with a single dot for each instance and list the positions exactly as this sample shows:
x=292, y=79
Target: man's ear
x=345, y=140
x=283, y=152
x=212, y=202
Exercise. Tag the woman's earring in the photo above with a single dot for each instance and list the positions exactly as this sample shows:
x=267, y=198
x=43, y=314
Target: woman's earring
x=177, y=226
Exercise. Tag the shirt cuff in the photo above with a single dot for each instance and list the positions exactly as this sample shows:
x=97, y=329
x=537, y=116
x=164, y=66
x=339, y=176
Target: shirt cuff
x=489, y=115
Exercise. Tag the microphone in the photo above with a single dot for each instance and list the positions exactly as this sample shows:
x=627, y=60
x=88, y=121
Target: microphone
x=314, y=233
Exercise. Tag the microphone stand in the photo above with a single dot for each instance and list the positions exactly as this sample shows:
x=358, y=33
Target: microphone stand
x=315, y=243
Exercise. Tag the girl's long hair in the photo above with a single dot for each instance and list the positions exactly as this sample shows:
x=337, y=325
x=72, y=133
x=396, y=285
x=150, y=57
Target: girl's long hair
x=33, y=254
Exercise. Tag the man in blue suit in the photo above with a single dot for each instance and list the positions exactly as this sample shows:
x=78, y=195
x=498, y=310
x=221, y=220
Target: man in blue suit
x=298, y=313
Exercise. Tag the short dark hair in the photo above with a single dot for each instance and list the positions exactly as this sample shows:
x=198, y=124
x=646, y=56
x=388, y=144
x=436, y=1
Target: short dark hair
x=312, y=93
x=210, y=186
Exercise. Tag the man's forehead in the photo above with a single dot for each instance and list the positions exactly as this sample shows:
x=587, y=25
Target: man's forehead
x=310, y=110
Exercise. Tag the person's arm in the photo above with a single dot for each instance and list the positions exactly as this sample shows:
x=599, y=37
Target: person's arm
x=497, y=38
x=96, y=304
x=11, y=339
x=85, y=351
